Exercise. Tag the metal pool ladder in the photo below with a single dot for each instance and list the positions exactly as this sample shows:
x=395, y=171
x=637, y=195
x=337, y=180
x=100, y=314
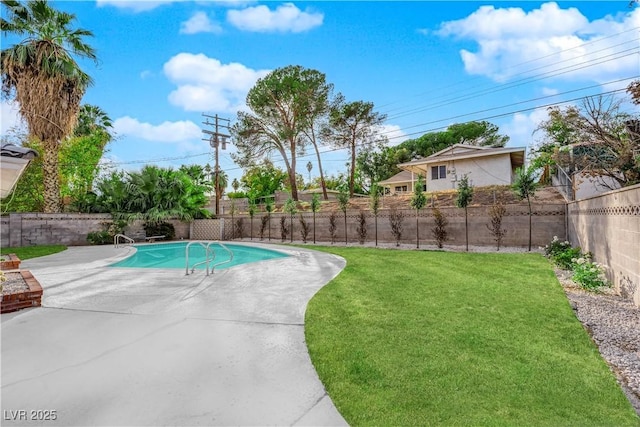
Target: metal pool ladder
x=210, y=256
x=127, y=240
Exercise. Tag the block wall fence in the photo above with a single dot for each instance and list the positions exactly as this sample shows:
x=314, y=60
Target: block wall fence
x=608, y=226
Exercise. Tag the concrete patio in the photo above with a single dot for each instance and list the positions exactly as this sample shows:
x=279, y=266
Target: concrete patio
x=123, y=346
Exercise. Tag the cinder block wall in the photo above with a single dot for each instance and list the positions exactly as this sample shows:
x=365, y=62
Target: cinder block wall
x=608, y=226
x=26, y=229
x=547, y=221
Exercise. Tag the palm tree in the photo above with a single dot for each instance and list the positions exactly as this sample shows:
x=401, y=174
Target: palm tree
x=45, y=78
x=92, y=118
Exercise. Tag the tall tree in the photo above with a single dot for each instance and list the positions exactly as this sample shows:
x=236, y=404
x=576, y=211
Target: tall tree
x=354, y=125
x=465, y=194
x=262, y=180
x=418, y=201
x=42, y=74
x=604, y=139
x=482, y=133
x=284, y=105
x=93, y=119
x=525, y=187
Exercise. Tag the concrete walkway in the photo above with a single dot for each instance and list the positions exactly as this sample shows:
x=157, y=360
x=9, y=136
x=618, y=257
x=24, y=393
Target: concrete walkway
x=122, y=346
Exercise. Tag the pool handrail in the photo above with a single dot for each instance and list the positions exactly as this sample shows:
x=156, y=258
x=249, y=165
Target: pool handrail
x=117, y=237
x=208, y=252
x=226, y=249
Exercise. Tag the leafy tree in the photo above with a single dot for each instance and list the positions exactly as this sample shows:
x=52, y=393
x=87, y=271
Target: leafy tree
x=309, y=167
x=263, y=180
x=396, y=221
x=28, y=193
x=525, y=187
x=374, y=205
x=252, y=213
x=496, y=212
x=465, y=194
x=284, y=105
x=268, y=206
x=45, y=79
x=602, y=136
x=78, y=160
x=343, y=203
x=315, y=207
x=418, y=201
x=483, y=134
x=439, y=229
x=354, y=125
x=376, y=164
x=91, y=120
x=471, y=133
x=321, y=97
x=290, y=208
x=153, y=194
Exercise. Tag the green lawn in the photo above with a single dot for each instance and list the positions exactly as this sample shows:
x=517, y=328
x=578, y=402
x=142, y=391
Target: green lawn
x=27, y=252
x=441, y=338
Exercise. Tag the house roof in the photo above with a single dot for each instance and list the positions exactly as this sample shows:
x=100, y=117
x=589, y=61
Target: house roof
x=11, y=150
x=402, y=176
x=463, y=151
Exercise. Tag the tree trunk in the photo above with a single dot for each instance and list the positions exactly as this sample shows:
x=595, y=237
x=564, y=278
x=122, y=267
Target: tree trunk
x=51, y=178
x=314, y=228
x=345, y=228
x=352, y=174
x=529, y=202
x=466, y=228
x=322, y=183
x=417, y=234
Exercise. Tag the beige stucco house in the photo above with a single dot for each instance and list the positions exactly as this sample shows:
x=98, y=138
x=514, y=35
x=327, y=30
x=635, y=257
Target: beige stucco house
x=483, y=165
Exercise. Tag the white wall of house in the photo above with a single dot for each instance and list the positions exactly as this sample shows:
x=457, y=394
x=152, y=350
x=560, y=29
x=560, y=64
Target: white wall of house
x=483, y=171
x=589, y=186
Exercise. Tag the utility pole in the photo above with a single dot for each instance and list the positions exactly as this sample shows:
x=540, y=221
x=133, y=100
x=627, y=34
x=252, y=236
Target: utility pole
x=216, y=140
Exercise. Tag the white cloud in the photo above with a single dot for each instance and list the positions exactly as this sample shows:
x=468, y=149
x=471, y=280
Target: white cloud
x=394, y=133
x=10, y=117
x=199, y=23
x=513, y=42
x=522, y=126
x=133, y=5
x=171, y=132
x=286, y=18
x=146, y=74
x=206, y=84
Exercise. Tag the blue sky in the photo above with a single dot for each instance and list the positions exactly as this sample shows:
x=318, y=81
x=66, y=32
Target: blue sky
x=425, y=64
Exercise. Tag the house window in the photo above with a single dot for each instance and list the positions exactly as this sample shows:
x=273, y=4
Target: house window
x=398, y=189
x=438, y=172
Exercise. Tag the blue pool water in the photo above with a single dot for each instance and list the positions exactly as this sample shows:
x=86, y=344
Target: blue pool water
x=172, y=255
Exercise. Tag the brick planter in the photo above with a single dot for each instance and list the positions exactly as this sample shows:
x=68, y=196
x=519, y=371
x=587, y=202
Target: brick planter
x=30, y=296
x=11, y=262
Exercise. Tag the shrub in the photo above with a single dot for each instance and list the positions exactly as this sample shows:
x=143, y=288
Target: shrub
x=284, y=230
x=561, y=253
x=396, y=221
x=160, y=229
x=102, y=237
x=555, y=247
x=263, y=225
x=239, y=229
x=589, y=275
x=305, y=228
x=439, y=230
x=333, y=226
x=362, y=227
x=496, y=212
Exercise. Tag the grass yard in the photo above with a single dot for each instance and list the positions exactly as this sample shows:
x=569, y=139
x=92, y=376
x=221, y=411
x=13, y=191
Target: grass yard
x=27, y=252
x=441, y=338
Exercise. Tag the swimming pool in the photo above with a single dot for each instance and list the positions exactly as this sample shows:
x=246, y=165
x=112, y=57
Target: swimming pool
x=172, y=255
